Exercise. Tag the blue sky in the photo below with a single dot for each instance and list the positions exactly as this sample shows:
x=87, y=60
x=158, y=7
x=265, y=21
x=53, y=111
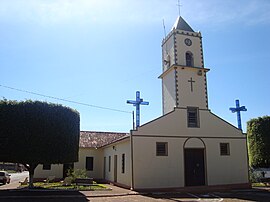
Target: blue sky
x=100, y=52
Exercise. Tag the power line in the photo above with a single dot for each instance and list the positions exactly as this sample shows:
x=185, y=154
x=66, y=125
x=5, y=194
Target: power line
x=65, y=100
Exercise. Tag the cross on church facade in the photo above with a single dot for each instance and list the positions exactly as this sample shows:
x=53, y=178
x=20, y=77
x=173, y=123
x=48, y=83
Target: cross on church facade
x=238, y=109
x=191, y=84
x=139, y=101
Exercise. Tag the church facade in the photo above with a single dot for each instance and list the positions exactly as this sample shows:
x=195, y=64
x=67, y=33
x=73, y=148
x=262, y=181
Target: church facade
x=188, y=146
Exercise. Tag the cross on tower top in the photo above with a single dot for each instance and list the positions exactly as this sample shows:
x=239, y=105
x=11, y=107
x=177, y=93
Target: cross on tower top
x=179, y=7
x=139, y=101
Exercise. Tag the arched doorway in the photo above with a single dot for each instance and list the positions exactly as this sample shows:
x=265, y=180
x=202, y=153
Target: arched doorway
x=194, y=162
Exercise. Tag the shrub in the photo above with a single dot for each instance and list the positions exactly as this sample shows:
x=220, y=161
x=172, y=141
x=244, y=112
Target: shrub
x=255, y=176
x=76, y=173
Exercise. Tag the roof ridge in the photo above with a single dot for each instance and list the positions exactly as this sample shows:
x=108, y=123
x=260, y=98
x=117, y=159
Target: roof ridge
x=94, y=139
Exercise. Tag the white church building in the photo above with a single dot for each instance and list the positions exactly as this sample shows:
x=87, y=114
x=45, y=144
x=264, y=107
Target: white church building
x=187, y=147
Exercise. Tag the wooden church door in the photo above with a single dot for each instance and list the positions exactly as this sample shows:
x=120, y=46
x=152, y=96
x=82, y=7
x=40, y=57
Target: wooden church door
x=194, y=167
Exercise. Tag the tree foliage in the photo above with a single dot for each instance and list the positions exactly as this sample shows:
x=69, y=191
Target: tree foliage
x=258, y=132
x=34, y=132
x=38, y=132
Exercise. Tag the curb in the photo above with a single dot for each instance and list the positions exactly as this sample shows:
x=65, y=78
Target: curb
x=109, y=195
x=69, y=196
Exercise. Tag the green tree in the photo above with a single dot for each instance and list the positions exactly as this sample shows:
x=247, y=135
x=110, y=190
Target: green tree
x=34, y=132
x=258, y=133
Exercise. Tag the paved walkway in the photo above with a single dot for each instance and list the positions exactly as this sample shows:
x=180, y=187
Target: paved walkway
x=10, y=193
x=115, y=191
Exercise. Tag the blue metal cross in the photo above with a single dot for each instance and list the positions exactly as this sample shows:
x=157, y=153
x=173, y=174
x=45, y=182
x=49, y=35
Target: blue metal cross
x=238, y=109
x=139, y=101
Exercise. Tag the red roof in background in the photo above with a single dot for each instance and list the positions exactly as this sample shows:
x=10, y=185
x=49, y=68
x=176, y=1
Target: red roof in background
x=95, y=139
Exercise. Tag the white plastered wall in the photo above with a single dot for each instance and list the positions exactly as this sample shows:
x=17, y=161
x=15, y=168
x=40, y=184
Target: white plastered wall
x=151, y=171
x=231, y=169
x=168, y=53
x=97, y=155
x=169, y=99
x=118, y=149
x=195, y=49
x=175, y=123
x=122, y=147
x=56, y=170
x=197, y=97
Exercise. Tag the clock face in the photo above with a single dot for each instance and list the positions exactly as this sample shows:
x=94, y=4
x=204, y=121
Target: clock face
x=188, y=42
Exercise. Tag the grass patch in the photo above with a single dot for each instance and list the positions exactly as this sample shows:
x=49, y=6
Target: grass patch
x=60, y=186
x=260, y=184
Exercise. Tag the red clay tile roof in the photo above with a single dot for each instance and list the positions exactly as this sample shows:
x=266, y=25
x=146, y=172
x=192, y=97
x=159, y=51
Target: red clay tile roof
x=95, y=139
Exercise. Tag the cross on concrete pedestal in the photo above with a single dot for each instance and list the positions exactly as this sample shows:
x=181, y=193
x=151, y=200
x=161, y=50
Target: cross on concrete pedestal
x=139, y=101
x=238, y=109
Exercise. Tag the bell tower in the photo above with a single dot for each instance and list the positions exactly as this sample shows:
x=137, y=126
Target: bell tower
x=183, y=75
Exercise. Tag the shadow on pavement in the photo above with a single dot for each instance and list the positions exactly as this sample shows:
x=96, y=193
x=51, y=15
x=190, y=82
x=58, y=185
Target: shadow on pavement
x=50, y=195
x=255, y=194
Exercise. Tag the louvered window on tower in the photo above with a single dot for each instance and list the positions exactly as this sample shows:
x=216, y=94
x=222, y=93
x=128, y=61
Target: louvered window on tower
x=192, y=116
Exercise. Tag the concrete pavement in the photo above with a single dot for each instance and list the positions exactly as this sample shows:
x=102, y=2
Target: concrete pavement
x=17, y=194
x=13, y=190
x=10, y=193
x=114, y=191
